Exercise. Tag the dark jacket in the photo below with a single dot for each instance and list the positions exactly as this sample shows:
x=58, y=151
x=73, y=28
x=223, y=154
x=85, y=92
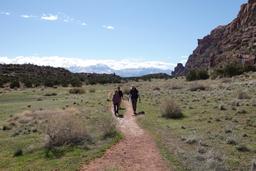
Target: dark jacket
x=134, y=94
x=120, y=93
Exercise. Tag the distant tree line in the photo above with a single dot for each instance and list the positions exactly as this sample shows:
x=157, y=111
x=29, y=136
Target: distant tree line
x=149, y=77
x=34, y=76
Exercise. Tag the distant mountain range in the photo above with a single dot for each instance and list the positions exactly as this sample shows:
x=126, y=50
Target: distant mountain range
x=132, y=72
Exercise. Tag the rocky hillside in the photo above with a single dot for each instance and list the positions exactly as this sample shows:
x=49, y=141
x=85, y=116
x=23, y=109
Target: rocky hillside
x=232, y=43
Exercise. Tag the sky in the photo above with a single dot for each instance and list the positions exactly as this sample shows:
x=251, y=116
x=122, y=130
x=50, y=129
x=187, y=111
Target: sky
x=160, y=32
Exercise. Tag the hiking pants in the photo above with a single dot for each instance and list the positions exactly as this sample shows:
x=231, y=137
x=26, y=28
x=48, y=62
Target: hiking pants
x=134, y=105
x=116, y=107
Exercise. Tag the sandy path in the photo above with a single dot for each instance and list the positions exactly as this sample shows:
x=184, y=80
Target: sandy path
x=136, y=152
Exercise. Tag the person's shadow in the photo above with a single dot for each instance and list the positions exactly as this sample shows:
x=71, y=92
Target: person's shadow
x=139, y=113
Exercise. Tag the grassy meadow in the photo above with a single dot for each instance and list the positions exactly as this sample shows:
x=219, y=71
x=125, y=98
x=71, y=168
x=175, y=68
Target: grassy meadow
x=25, y=113
x=217, y=130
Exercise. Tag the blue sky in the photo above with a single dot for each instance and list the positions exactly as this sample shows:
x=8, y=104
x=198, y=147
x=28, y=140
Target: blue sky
x=147, y=30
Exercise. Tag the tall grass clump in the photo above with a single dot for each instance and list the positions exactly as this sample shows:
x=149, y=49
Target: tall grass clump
x=242, y=95
x=77, y=91
x=108, y=127
x=195, y=86
x=92, y=90
x=64, y=128
x=170, y=110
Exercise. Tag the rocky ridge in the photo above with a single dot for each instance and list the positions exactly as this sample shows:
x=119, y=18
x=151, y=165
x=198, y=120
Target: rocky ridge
x=232, y=43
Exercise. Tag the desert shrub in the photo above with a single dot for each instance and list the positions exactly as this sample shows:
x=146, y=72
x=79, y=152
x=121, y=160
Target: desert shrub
x=197, y=75
x=108, y=127
x=76, y=82
x=28, y=84
x=64, y=128
x=14, y=84
x=169, y=109
x=1, y=83
x=156, y=89
x=197, y=86
x=51, y=94
x=64, y=84
x=242, y=95
x=92, y=90
x=231, y=70
x=48, y=83
x=126, y=90
x=175, y=87
x=77, y=91
x=202, y=75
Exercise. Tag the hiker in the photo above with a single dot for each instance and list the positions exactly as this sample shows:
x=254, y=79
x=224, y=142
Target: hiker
x=116, y=102
x=121, y=96
x=134, y=95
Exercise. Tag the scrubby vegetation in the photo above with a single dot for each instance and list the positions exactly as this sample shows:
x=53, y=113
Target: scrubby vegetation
x=77, y=91
x=149, y=77
x=170, y=109
x=64, y=128
x=217, y=131
x=197, y=75
x=34, y=76
x=49, y=128
x=231, y=70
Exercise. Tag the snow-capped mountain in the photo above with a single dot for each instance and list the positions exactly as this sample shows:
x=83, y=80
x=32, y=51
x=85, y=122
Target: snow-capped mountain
x=130, y=72
x=99, y=68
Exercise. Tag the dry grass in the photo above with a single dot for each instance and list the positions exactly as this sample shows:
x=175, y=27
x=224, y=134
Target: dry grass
x=64, y=128
x=126, y=90
x=92, y=90
x=198, y=86
x=108, y=127
x=77, y=91
x=242, y=95
x=170, y=109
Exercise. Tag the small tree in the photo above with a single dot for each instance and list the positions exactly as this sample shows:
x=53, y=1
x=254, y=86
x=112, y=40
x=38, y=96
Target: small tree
x=197, y=75
x=14, y=84
x=75, y=82
x=28, y=84
x=191, y=76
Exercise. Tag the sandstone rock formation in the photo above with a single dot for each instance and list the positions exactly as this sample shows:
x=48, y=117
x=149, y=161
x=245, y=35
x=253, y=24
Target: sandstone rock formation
x=235, y=42
x=178, y=70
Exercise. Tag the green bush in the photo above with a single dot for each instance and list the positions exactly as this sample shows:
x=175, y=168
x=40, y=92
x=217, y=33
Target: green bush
x=28, y=84
x=231, y=70
x=1, y=83
x=92, y=90
x=14, y=84
x=75, y=82
x=48, y=83
x=77, y=91
x=197, y=75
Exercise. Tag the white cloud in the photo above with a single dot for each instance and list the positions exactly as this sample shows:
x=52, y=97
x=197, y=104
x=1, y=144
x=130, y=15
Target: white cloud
x=57, y=61
x=27, y=16
x=83, y=24
x=5, y=13
x=49, y=17
x=108, y=27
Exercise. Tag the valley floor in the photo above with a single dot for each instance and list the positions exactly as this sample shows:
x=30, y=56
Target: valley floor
x=217, y=132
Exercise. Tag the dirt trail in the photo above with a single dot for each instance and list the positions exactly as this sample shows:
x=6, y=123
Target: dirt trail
x=136, y=152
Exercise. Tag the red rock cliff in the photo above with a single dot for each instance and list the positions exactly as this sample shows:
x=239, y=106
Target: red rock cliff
x=235, y=42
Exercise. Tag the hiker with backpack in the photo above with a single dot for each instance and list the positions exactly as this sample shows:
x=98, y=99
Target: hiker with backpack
x=120, y=92
x=134, y=96
x=116, y=102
